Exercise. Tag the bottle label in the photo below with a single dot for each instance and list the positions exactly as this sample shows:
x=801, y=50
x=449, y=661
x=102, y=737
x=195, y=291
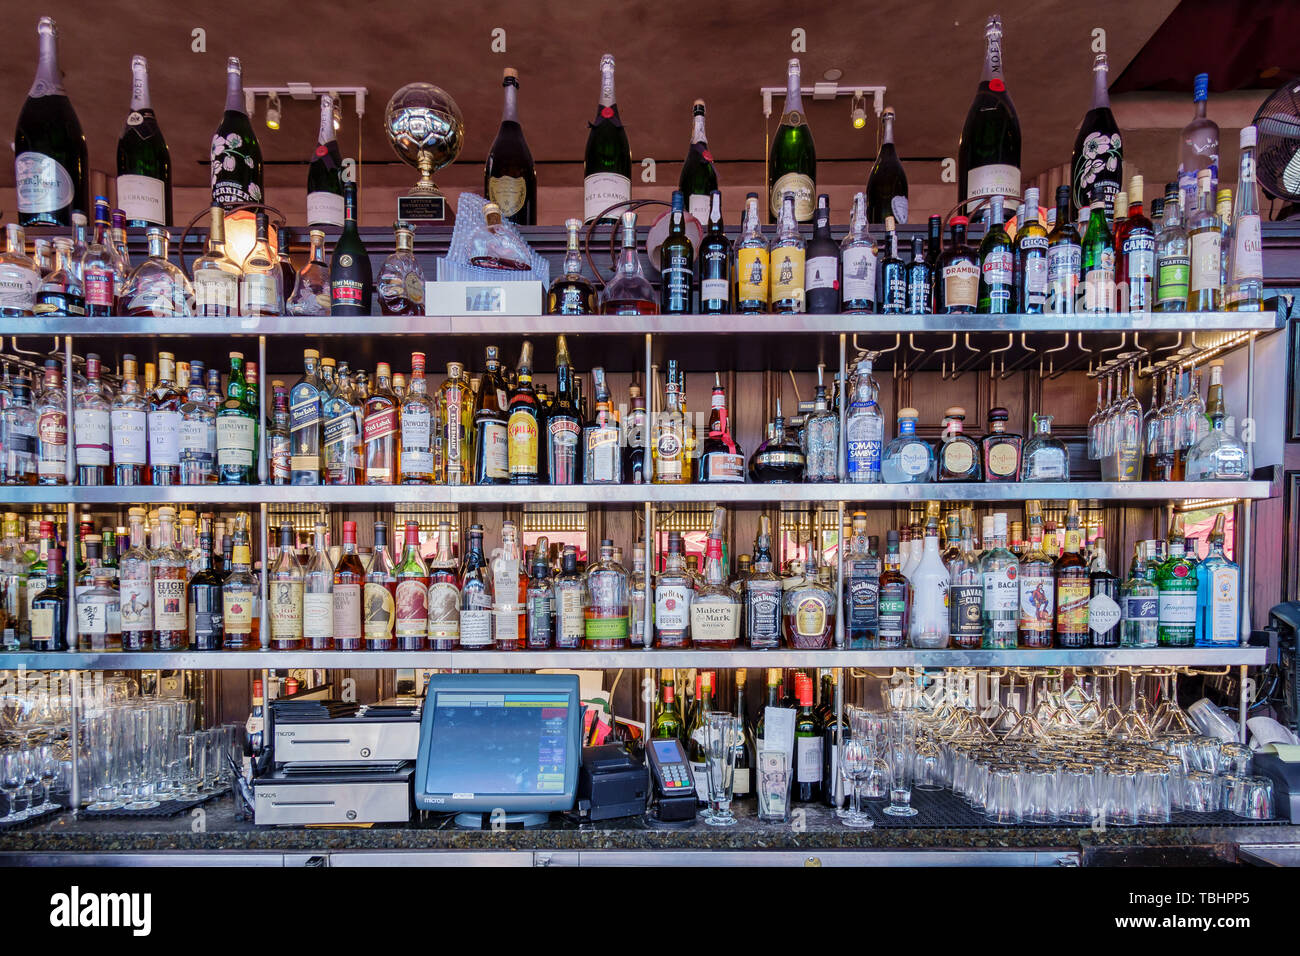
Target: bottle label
x=142, y=198
x=495, y=450
x=821, y=272
x=810, y=617
x=562, y=453
x=417, y=439
x=347, y=613
x=1003, y=461
x=1103, y=613
x=169, y=613
x=1225, y=618
x=601, y=190
x=714, y=290
x=164, y=438
x=965, y=611
x=569, y=623
x=136, y=599
x=809, y=760
x=521, y=432
x=286, y=609
x=752, y=266
x=412, y=602
x=1064, y=260
x=1140, y=265
x=1037, y=602
x=673, y=607
x=788, y=276
x=762, y=613
x=92, y=619
x=961, y=283
x=700, y=205
x=379, y=425
x=677, y=276
x=804, y=199
x=714, y=622
x=1247, y=252
x=52, y=433
x=304, y=413
x=42, y=624
x=509, y=193
x=97, y=285
x=41, y=182
x=859, y=264
x=606, y=628
x=258, y=293
x=893, y=610
x=317, y=615
x=379, y=612
x=216, y=292
x=475, y=627
x=1177, y=608
x=958, y=457
x=995, y=179
x=1072, y=597
x=326, y=209
x=444, y=610
x=602, y=456
x=1144, y=609
x=1206, y=263
x=235, y=441
x=721, y=466
x=914, y=458
x=237, y=610
x=94, y=436
x=18, y=286
x=997, y=270
x=1174, y=279
x=865, y=438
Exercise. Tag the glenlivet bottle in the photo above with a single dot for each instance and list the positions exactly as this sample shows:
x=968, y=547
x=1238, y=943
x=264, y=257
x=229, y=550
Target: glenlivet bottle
x=144, y=166
x=509, y=176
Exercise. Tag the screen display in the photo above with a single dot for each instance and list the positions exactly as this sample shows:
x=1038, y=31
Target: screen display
x=668, y=751
x=497, y=743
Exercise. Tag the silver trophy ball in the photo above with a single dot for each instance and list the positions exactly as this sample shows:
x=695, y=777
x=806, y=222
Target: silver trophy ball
x=425, y=128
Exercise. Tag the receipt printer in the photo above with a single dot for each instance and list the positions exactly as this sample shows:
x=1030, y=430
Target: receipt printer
x=611, y=783
x=1286, y=784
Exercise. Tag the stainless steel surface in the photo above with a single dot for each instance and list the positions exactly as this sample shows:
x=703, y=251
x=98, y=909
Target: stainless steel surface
x=1270, y=854
x=300, y=804
x=821, y=858
x=346, y=741
x=638, y=658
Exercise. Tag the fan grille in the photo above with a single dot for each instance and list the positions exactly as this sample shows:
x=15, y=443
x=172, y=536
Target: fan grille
x=1278, y=152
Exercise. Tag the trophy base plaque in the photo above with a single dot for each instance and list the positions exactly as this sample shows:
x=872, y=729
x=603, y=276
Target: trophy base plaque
x=429, y=207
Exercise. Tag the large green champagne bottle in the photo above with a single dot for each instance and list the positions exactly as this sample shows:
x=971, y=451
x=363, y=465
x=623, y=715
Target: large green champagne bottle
x=792, y=162
x=510, y=178
x=324, y=176
x=50, y=161
x=607, y=168
x=988, y=156
x=144, y=166
x=236, y=157
x=699, y=179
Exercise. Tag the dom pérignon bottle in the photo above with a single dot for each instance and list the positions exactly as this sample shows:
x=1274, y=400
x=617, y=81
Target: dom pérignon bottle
x=236, y=157
x=144, y=166
x=887, y=184
x=51, y=168
x=351, y=283
x=792, y=162
x=324, y=175
x=699, y=179
x=988, y=156
x=509, y=176
x=1097, y=168
x=607, y=167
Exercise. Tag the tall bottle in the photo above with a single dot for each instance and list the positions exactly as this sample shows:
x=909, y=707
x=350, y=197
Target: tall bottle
x=792, y=160
x=324, y=178
x=714, y=265
x=1173, y=257
x=216, y=275
x=699, y=179
x=1205, y=235
x=563, y=425
x=607, y=165
x=858, y=262
x=236, y=430
x=349, y=584
x=988, y=154
x=523, y=424
x=1177, y=586
x=1037, y=586
x=788, y=262
x=887, y=184
x=1064, y=258
x=1135, y=255
x=928, y=595
x=822, y=264
x=957, y=279
x=236, y=155
x=997, y=264
x=351, y=280
x=1218, y=580
x=1098, y=263
x=411, y=598
x=1198, y=148
x=1244, y=289
x=509, y=176
x=1073, y=586
x=1097, y=169
x=1031, y=260
x=144, y=165
x=51, y=168
x=676, y=263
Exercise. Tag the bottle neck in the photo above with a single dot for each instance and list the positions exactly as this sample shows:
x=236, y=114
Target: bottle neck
x=992, y=74
x=697, y=129
x=48, y=80
x=326, y=133
x=509, y=111
x=234, y=87
x=1100, y=83
x=607, y=82
x=139, y=85
x=793, y=93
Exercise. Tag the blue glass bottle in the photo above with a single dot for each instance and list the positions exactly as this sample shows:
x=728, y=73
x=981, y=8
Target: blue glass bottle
x=1218, y=583
x=908, y=459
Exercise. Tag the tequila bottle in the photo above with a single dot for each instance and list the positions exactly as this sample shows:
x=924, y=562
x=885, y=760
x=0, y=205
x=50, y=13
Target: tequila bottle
x=1000, y=449
x=1139, y=604
x=959, y=456
x=907, y=459
x=1045, y=458
x=606, y=611
x=821, y=438
x=1176, y=584
x=1218, y=455
x=638, y=598
x=965, y=589
x=1218, y=582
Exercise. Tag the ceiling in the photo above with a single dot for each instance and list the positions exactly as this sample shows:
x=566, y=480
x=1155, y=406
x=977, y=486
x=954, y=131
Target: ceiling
x=668, y=53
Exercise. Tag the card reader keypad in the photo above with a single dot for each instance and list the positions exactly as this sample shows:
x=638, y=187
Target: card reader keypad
x=676, y=777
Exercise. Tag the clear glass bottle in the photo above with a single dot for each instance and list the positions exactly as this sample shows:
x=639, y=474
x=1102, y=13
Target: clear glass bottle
x=156, y=287
x=19, y=276
x=418, y=413
x=858, y=262
x=135, y=587
x=715, y=609
x=601, y=438
x=311, y=287
x=318, y=594
x=101, y=269
x=810, y=608
x=571, y=293
x=629, y=292
x=164, y=421
x=1073, y=587
x=908, y=458
x=13, y=585
x=1139, y=604
x=60, y=291
x=606, y=611
x=51, y=428
x=928, y=597
x=198, y=433
x=1218, y=582
x=865, y=424
x=821, y=438
x=753, y=263
x=1218, y=455
x=638, y=598
x=1244, y=280
x=18, y=435
x=1198, y=146
x=99, y=615
x=569, y=598
x=239, y=595
x=999, y=570
x=539, y=601
x=169, y=572
x=216, y=275
x=285, y=595
x=475, y=595
x=669, y=449
x=1205, y=237
x=261, y=288
x=494, y=246
x=1045, y=458
x=674, y=591
x=787, y=260
x=509, y=589
x=400, y=284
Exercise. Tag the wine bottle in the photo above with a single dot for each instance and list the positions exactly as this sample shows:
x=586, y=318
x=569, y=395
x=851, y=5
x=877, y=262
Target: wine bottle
x=607, y=167
x=715, y=263
x=887, y=184
x=324, y=180
x=236, y=157
x=988, y=155
x=822, y=264
x=1097, y=169
x=699, y=179
x=51, y=167
x=792, y=162
x=351, y=283
x=144, y=166
x=677, y=263
x=509, y=176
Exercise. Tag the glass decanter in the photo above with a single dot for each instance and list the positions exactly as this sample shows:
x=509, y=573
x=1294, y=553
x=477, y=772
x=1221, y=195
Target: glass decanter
x=400, y=283
x=311, y=289
x=1045, y=458
x=494, y=245
x=157, y=287
x=1218, y=455
x=629, y=292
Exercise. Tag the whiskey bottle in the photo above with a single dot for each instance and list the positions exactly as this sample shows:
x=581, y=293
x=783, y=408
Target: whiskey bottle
x=236, y=430
x=762, y=594
x=571, y=293
x=411, y=594
x=350, y=580
x=239, y=595
x=676, y=263
x=444, y=593
x=205, y=601
x=475, y=595
x=277, y=436
x=715, y=609
x=318, y=594
x=380, y=431
x=285, y=588
x=674, y=591
x=417, y=416
x=509, y=591
x=216, y=275
x=861, y=587
x=669, y=449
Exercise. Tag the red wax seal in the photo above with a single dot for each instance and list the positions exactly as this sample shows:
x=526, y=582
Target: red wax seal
x=321, y=150
x=607, y=112
x=708, y=157
x=997, y=86
x=1011, y=574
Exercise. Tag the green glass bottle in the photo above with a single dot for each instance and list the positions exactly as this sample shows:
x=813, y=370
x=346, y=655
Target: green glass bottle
x=236, y=156
x=144, y=166
x=236, y=430
x=792, y=161
x=352, y=285
x=668, y=722
x=607, y=166
x=1098, y=263
x=997, y=261
x=324, y=174
x=1177, y=587
x=51, y=168
x=699, y=179
x=677, y=263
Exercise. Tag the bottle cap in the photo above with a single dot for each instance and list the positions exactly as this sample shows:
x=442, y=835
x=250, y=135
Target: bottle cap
x=1000, y=523
x=956, y=411
x=998, y=414
x=958, y=221
x=1249, y=136
x=908, y=413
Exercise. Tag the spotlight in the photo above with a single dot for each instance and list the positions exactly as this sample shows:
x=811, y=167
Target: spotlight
x=858, y=112
x=273, y=111
x=338, y=111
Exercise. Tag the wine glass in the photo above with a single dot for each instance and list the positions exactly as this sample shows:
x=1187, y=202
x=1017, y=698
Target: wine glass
x=47, y=768
x=31, y=775
x=11, y=781
x=1094, y=423
x=856, y=760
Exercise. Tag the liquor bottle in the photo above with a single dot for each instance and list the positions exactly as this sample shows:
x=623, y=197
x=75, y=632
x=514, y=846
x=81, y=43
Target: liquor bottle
x=628, y=292
x=144, y=166
x=861, y=587
x=928, y=598
x=92, y=429
x=1140, y=604
x=822, y=264
x=1243, y=289
x=808, y=745
x=1064, y=258
x=606, y=610
x=1218, y=455
x=341, y=434
x=129, y=422
x=539, y=603
x=1000, y=450
x=261, y=287
x=305, y=423
x=810, y=607
x=216, y=276
x=779, y=460
x=509, y=176
x=168, y=573
x=908, y=458
x=1031, y=260
x=714, y=265
x=100, y=267
x=887, y=183
x=411, y=597
x=997, y=264
x=400, y=286
x=349, y=581
x=380, y=427
x=51, y=168
x=1176, y=582
x=1098, y=263
x=988, y=154
x=602, y=458
x=1135, y=255
x=1218, y=579
x=206, y=606
x=638, y=600
x=966, y=589
x=568, y=598
x=892, y=294
x=742, y=774
x=920, y=280
x=699, y=179
x=761, y=593
x=239, y=596
x=669, y=449
x=475, y=595
x=51, y=429
x=787, y=295
x=523, y=423
x=634, y=451
x=49, y=607
x=416, y=423
x=607, y=165
x=324, y=173
x=236, y=430
x=509, y=589
x=571, y=293
x=1037, y=587
x=864, y=425
x=858, y=262
x=821, y=433
x=721, y=460
x=999, y=571
x=1173, y=258
x=156, y=287
x=792, y=161
x=957, y=279
x=674, y=591
x=1044, y=457
x=1097, y=169
x=164, y=423
x=1073, y=587
x=1104, y=614
x=753, y=264
x=236, y=155
x=18, y=435
x=1198, y=148
x=1205, y=233
x=696, y=739
x=285, y=588
x=351, y=284
x=677, y=263
x=309, y=293
x=376, y=596
x=715, y=609
x=60, y=292
x=444, y=593
x=668, y=722
x=318, y=595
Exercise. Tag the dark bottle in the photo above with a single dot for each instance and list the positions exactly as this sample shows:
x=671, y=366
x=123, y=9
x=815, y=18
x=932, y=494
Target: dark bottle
x=572, y=293
x=1104, y=617
x=144, y=165
x=1135, y=256
x=509, y=176
x=920, y=279
x=721, y=459
x=779, y=460
x=539, y=627
x=821, y=275
x=792, y=160
x=49, y=609
x=808, y=744
x=893, y=274
x=491, y=465
x=351, y=281
x=676, y=264
x=835, y=730
x=324, y=175
x=563, y=425
x=959, y=456
x=997, y=264
x=51, y=168
x=887, y=184
x=523, y=424
x=699, y=179
x=607, y=165
x=668, y=723
x=205, y=601
x=236, y=156
x=956, y=287
x=1000, y=449
x=284, y=244
x=988, y=155
x=715, y=263
x=475, y=595
x=891, y=625
x=743, y=775
x=1064, y=258
x=1031, y=245
x=1097, y=169
x=634, y=461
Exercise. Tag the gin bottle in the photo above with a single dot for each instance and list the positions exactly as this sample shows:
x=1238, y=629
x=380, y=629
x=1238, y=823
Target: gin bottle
x=1139, y=604
x=1218, y=580
x=1176, y=584
x=821, y=438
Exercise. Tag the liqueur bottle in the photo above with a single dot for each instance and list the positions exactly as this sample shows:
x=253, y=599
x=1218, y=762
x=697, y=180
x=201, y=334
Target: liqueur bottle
x=1098, y=275
x=488, y=440
x=350, y=581
x=400, y=286
x=988, y=154
x=571, y=293
x=959, y=456
x=858, y=262
x=1135, y=256
x=753, y=264
x=699, y=179
x=144, y=165
x=523, y=423
x=1243, y=289
x=1073, y=587
x=1037, y=587
x=569, y=598
x=236, y=155
x=792, y=160
x=1030, y=290
x=822, y=264
x=957, y=279
x=1173, y=257
x=1097, y=168
x=1000, y=449
x=509, y=176
x=51, y=168
x=677, y=263
x=607, y=166
x=714, y=266
x=721, y=460
x=1064, y=258
x=351, y=284
x=49, y=608
x=887, y=184
x=602, y=458
x=779, y=460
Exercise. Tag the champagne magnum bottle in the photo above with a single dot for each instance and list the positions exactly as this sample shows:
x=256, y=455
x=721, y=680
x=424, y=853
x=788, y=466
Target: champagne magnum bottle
x=324, y=180
x=792, y=162
x=1098, y=165
x=51, y=168
x=509, y=176
x=699, y=179
x=887, y=184
x=607, y=168
x=236, y=157
x=144, y=166
x=988, y=155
